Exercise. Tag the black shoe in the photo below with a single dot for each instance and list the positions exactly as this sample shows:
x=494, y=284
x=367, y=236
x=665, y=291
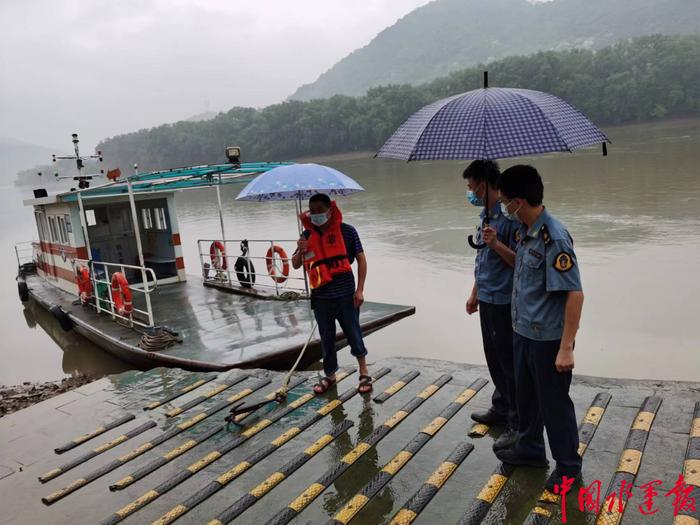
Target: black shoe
x=490, y=417
x=510, y=456
x=555, y=478
x=506, y=440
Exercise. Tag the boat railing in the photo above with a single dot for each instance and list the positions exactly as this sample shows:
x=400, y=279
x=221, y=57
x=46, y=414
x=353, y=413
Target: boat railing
x=269, y=258
x=25, y=253
x=101, y=274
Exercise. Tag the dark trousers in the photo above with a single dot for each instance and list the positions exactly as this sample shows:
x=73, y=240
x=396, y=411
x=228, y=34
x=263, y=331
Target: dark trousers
x=327, y=311
x=497, y=334
x=543, y=402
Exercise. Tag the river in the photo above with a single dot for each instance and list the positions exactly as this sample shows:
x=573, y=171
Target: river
x=633, y=215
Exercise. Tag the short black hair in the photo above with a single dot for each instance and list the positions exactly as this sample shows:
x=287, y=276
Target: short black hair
x=483, y=170
x=522, y=181
x=321, y=197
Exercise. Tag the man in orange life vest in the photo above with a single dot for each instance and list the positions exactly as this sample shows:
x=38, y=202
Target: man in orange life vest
x=327, y=249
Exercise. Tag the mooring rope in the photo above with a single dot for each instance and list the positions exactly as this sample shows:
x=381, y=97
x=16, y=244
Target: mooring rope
x=161, y=339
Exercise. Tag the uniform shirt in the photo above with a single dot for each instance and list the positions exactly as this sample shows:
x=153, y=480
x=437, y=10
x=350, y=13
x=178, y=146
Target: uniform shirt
x=344, y=284
x=545, y=269
x=494, y=277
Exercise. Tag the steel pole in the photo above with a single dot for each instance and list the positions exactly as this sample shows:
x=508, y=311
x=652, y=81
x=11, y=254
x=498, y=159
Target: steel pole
x=223, y=231
x=83, y=224
x=139, y=248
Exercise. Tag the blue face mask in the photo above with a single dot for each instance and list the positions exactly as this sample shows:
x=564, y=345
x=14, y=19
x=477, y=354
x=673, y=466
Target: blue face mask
x=473, y=199
x=512, y=216
x=319, y=219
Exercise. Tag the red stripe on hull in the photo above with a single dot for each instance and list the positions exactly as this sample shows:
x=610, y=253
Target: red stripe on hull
x=57, y=271
x=70, y=252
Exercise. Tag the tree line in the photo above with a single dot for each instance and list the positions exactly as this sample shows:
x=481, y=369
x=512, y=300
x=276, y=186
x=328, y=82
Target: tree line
x=632, y=81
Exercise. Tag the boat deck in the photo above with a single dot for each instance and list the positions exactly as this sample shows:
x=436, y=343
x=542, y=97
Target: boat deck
x=220, y=330
x=644, y=431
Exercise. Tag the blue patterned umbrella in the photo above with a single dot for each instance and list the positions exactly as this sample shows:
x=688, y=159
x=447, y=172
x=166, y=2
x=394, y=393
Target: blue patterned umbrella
x=492, y=123
x=298, y=181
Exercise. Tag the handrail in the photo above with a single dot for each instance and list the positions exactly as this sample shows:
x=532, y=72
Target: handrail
x=25, y=254
x=112, y=311
x=291, y=282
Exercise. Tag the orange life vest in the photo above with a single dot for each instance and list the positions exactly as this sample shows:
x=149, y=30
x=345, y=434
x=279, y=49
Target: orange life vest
x=327, y=255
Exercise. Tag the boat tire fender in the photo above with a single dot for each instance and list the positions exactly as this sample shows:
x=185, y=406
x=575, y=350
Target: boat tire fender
x=245, y=271
x=62, y=317
x=23, y=290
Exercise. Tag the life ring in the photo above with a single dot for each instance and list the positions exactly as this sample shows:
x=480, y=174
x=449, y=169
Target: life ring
x=121, y=294
x=245, y=271
x=272, y=269
x=84, y=284
x=217, y=252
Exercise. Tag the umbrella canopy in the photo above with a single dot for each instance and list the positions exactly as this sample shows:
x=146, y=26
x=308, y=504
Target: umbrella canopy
x=298, y=181
x=492, y=123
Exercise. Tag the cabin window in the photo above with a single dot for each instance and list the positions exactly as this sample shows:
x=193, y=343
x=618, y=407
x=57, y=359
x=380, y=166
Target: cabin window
x=147, y=218
x=62, y=231
x=40, y=226
x=69, y=226
x=52, y=228
x=161, y=223
x=90, y=217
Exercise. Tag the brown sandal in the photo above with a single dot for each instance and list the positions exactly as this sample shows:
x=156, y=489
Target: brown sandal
x=365, y=386
x=323, y=385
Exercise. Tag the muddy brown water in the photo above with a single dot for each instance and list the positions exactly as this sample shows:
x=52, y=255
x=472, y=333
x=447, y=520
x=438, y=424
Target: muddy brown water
x=634, y=216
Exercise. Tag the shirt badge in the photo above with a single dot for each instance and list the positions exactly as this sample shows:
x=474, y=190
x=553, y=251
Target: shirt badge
x=517, y=236
x=563, y=262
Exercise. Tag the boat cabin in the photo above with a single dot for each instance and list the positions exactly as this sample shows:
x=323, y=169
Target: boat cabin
x=109, y=226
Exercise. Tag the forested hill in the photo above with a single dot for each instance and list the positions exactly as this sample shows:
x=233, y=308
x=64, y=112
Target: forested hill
x=449, y=35
x=646, y=78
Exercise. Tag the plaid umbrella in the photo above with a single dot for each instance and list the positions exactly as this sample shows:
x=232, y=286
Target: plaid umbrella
x=489, y=124
x=492, y=123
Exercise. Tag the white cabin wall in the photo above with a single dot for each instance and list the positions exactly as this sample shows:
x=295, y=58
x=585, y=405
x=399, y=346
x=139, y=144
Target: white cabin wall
x=61, y=247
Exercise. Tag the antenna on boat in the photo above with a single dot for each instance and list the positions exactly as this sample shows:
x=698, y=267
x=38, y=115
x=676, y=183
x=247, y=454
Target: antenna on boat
x=83, y=180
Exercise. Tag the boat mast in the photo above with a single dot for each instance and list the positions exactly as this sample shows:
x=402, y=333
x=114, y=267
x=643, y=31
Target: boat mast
x=83, y=183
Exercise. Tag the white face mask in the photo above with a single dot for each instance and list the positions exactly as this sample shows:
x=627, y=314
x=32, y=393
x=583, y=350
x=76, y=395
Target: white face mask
x=319, y=219
x=512, y=216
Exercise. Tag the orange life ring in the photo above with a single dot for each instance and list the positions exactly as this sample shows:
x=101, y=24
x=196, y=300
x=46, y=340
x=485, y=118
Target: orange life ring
x=121, y=294
x=217, y=252
x=84, y=283
x=271, y=269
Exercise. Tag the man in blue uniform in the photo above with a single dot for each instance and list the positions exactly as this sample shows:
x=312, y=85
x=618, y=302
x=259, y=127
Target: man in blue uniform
x=491, y=296
x=546, y=309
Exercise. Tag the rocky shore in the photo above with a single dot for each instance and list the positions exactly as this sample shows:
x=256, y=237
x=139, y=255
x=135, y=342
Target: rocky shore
x=17, y=397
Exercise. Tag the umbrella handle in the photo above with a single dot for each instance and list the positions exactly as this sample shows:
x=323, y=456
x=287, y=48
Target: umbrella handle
x=476, y=246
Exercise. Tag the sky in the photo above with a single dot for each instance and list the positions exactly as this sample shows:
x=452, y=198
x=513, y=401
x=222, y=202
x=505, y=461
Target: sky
x=106, y=67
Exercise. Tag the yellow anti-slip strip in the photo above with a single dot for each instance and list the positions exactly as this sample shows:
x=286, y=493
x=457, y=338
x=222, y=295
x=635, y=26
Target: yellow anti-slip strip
x=306, y=497
x=409, y=451
x=422, y=497
x=215, y=455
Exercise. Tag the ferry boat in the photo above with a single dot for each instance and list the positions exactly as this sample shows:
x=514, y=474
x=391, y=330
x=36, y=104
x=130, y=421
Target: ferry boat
x=109, y=264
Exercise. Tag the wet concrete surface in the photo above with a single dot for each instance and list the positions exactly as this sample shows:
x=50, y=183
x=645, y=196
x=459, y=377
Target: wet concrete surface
x=29, y=436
